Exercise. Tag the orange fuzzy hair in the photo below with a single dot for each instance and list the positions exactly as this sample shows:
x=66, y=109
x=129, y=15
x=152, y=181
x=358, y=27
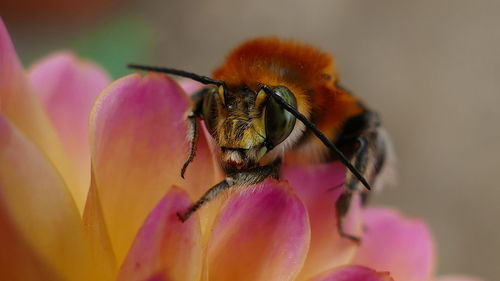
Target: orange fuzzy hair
x=270, y=60
x=308, y=72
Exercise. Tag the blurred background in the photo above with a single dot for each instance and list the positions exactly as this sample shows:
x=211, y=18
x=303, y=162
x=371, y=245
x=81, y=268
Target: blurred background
x=431, y=68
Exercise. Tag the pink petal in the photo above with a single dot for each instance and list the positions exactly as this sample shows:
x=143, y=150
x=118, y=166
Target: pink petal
x=354, y=273
x=261, y=234
x=315, y=185
x=165, y=248
x=457, y=278
x=68, y=87
x=189, y=86
x=21, y=106
x=12, y=70
x=138, y=146
x=41, y=230
x=396, y=244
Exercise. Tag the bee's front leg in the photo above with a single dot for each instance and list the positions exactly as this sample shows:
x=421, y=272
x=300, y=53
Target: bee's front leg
x=242, y=179
x=193, y=117
x=192, y=122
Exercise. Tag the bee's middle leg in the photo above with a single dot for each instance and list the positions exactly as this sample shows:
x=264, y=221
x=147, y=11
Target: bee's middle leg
x=363, y=141
x=244, y=178
x=342, y=207
x=360, y=160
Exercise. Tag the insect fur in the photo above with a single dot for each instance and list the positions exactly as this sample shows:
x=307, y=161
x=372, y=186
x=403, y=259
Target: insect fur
x=251, y=107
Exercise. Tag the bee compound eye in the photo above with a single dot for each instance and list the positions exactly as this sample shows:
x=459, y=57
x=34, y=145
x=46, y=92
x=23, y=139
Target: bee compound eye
x=279, y=122
x=209, y=109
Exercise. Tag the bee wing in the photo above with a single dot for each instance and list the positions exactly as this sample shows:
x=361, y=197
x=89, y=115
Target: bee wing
x=387, y=176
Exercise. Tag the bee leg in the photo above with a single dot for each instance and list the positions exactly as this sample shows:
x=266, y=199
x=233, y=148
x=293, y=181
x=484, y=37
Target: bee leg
x=192, y=121
x=342, y=207
x=246, y=178
x=365, y=197
x=360, y=161
x=192, y=125
x=364, y=142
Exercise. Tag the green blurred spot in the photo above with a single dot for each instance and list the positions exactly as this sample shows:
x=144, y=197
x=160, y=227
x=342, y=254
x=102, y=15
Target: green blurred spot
x=116, y=44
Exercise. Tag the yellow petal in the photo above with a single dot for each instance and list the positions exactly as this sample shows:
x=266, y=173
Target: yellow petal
x=18, y=261
x=67, y=87
x=97, y=234
x=39, y=207
x=22, y=108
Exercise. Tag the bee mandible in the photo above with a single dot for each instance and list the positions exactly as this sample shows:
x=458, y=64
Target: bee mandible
x=276, y=99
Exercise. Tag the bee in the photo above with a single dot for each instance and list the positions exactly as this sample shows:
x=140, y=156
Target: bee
x=274, y=99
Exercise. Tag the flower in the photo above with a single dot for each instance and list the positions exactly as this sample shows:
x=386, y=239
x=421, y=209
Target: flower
x=98, y=201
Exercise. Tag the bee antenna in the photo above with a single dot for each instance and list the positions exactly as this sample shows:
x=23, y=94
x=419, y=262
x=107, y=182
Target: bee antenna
x=318, y=134
x=202, y=79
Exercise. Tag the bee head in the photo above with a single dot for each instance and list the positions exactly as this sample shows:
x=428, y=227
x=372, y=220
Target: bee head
x=246, y=124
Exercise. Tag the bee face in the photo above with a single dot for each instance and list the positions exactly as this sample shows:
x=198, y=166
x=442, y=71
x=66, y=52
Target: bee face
x=246, y=124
